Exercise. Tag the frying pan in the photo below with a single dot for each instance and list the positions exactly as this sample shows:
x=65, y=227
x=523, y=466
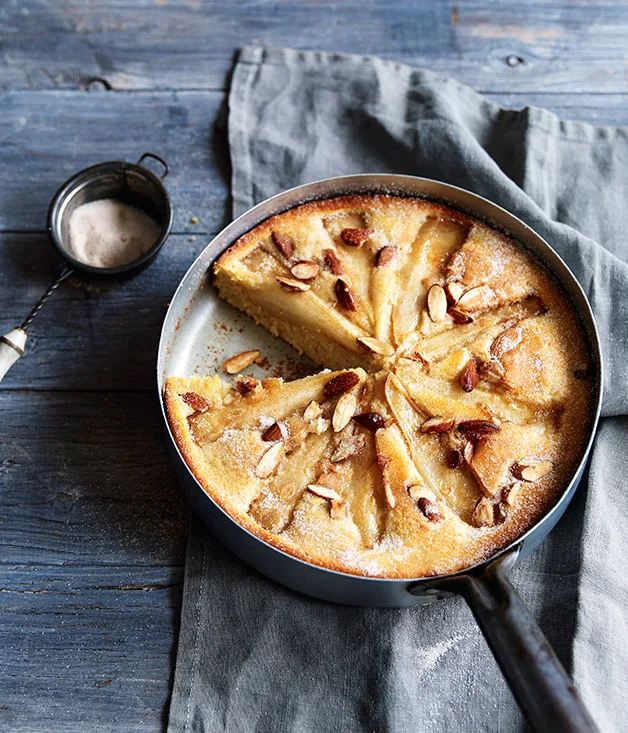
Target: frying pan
x=190, y=342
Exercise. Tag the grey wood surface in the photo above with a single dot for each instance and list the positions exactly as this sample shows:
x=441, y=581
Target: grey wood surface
x=92, y=526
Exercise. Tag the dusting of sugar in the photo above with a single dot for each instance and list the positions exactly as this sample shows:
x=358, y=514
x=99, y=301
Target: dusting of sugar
x=430, y=657
x=109, y=233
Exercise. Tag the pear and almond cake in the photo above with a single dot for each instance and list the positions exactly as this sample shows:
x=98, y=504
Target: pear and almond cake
x=457, y=410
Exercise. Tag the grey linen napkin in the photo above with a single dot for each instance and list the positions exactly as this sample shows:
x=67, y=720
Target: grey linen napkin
x=254, y=656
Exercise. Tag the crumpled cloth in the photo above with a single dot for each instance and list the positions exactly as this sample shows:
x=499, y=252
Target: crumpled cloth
x=254, y=656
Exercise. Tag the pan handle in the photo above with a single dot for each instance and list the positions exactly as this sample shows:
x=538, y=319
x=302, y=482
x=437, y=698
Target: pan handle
x=542, y=688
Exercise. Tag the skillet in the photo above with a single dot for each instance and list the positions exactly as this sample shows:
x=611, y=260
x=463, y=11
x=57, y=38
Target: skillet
x=195, y=339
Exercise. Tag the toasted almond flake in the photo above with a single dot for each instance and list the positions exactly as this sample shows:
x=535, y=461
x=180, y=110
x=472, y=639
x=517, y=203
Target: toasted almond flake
x=375, y=346
x=293, y=286
x=437, y=425
x=437, y=303
x=492, y=371
x=484, y=514
x=390, y=497
x=385, y=255
x=418, y=491
x=469, y=376
x=429, y=510
x=474, y=299
x=475, y=429
x=355, y=237
x=340, y=384
x=349, y=446
x=453, y=291
x=332, y=262
x=283, y=243
x=345, y=296
x=195, y=401
x=312, y=411
x=467, y=452
x=506, y=341
x=277, y=431
x=345, y=409
x=324, y=492
x=457, y=316
x=269, y=460
x=531, y=469
x=512, y=493
x=305, y=270
x=247, y=385
x=238, y=362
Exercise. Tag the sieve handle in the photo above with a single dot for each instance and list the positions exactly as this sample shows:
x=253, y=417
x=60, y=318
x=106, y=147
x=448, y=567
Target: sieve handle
x=159, y=160
x=11, y=348
x=12, y=344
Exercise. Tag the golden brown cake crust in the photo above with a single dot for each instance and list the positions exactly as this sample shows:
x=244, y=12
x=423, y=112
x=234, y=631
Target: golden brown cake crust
x=464, y=348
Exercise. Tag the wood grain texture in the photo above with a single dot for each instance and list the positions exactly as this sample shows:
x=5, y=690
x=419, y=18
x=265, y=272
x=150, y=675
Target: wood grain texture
x=87, y=648
x=97, y=335
x=48, y=136
x=189, y=44
x=92, y=527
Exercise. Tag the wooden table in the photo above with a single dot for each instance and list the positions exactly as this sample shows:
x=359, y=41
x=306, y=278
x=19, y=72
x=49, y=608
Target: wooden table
x=92, y=522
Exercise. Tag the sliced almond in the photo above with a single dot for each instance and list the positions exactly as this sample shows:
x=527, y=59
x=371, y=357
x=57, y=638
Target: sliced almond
x=283, y=243
x=332, y=262
x=238, y=362
x=385, y=255
x=305, y=270
x=293, y=286
x=475, y=429
x=277, y=431
x=474, y=299
x=375, y=346
x=429, y=510
x=345, y=410
x=312, y=412
x=469, y=376
x=345, y=296
x=324, y=492
x=437, y=425
x=437, y=303
x=390, y=497
x=348, y=446
x=195, y=401
x=531, y=469
x=506, y=341
x=417, y=491
x=269, y=461
x=355, y=237
x=457, y=316
x=467, y=452
x=492, y=371
x=453, y=291
x=512, y=493
x=484, y=514
x=247, y=385
x=340, y=384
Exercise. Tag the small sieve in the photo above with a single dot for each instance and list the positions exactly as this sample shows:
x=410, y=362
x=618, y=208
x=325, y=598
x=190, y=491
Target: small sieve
x=129, y=183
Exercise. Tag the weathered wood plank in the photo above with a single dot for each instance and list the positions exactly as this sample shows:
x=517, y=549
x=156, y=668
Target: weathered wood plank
x=85, y=479
x=46, y=137
x=87, y=648
x=177, y=44
x=95, y=335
